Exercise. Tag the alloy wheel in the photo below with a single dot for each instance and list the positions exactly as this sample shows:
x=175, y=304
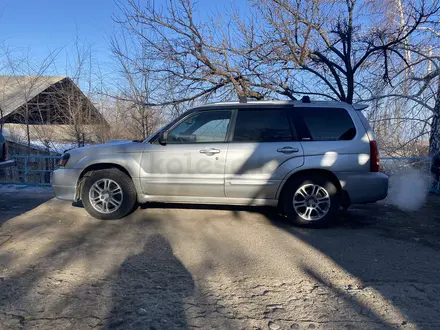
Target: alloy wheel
x=106, y=196
x=311, y=202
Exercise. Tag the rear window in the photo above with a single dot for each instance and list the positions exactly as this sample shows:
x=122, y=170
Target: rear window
x=269, y=125
x=328, y=124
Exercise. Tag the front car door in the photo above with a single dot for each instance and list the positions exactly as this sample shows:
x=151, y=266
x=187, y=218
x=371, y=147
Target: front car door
x=263, y=150
x=192, y=161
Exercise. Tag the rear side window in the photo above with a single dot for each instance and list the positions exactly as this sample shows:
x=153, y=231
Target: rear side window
x=328, y=124
x=269, y=125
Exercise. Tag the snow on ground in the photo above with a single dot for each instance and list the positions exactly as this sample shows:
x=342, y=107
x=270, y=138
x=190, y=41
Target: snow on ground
x=54, y=146
x=16, y=188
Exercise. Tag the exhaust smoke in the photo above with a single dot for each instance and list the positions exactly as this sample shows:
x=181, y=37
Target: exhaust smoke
x=408, y=189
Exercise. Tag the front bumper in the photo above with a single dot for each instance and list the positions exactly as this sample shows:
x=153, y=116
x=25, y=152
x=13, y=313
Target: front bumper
x=64, y=183
x=7, y=163
x=367, y=187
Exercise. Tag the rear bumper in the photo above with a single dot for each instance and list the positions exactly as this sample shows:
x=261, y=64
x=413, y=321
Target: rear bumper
x=365, y=187
x=7, y=163
x=64, y=183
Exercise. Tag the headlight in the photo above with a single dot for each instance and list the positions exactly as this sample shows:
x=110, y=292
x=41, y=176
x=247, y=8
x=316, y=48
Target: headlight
x=64, y=159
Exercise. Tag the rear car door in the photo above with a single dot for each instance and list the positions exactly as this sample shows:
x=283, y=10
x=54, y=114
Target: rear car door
x=263, y=150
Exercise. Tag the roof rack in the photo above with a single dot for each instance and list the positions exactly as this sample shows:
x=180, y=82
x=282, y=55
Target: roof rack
x=305, y=99
x=242, y=99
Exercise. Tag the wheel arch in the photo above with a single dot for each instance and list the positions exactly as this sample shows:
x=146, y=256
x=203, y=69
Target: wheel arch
x=87, y=171
x=311, y=171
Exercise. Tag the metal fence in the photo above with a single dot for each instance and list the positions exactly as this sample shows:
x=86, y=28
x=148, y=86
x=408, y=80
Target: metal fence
x=37, y=169
x=30, y=170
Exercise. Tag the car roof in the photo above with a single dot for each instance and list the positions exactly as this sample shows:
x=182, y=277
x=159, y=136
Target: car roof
x=273, y=103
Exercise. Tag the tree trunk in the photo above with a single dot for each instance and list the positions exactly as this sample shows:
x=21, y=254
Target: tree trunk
x=434, y=138
x=350, y=86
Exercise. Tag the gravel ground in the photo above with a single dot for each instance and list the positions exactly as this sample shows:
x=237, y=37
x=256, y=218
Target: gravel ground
x=178, y=267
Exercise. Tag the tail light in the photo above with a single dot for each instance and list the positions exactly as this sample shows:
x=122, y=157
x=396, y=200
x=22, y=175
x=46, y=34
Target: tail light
x=63, y=160
x=374, y=157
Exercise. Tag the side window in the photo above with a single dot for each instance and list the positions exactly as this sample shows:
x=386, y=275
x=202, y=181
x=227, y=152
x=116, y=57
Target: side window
x=328, y=124
x=269, y=125
x=202, y=127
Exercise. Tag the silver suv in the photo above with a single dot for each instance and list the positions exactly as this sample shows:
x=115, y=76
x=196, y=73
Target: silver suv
x=307, y=158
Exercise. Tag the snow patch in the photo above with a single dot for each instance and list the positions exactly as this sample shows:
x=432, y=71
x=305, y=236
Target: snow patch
x=17, y=188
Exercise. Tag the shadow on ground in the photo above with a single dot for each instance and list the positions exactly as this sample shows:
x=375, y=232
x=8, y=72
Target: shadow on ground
x=150, y=289
x=184, y=266
x=382, y=246
x=16, y=200
x=379, y=246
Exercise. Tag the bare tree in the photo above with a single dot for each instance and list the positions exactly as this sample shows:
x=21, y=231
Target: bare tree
x=74, y=117
x=280, y=47
x=200, y=58
x=23, y=65
x=332, y=45
x=2, y=65
x=73, y=103
x=137, y=86
x=420, y=88
x=74, y=113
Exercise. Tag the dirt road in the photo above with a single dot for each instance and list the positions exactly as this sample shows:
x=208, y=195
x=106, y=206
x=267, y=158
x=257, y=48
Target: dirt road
x=178, y=267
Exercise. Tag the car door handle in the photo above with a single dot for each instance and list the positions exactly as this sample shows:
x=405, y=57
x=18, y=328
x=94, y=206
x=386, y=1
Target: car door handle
x=210, y=151
x=287, y=150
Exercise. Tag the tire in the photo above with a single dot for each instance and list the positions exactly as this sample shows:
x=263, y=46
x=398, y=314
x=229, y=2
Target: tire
x=119, y=204
x=325, y=203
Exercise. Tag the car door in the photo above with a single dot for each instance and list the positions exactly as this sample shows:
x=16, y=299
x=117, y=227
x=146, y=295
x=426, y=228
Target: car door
x=262, y=152
x=192, y=161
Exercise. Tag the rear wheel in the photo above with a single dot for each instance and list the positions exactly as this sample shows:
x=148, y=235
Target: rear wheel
x=312, y=200
x=108, y=194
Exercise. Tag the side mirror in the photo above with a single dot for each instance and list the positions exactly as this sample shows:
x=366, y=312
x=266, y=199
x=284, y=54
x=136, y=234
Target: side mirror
x=163, y=137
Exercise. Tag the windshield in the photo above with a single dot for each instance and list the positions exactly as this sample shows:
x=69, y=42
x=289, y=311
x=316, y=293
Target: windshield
x=154, y=134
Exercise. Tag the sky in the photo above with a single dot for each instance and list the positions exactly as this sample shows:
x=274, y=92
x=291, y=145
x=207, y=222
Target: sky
x=51, y=25
x=42, y=26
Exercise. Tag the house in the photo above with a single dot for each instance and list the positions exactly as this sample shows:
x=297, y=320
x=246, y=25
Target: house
x=48, y=109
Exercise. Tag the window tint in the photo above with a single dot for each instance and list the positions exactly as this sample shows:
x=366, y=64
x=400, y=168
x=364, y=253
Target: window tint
x=328, y=124
x=207, y=126
x=262, y=126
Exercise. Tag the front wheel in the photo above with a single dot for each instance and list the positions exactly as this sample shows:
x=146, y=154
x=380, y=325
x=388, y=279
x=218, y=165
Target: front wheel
x=312, y=200
x=108, y=194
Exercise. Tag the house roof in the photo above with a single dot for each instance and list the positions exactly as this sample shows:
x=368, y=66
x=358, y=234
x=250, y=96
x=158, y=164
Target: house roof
x=15, y=91
x=40, y=92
